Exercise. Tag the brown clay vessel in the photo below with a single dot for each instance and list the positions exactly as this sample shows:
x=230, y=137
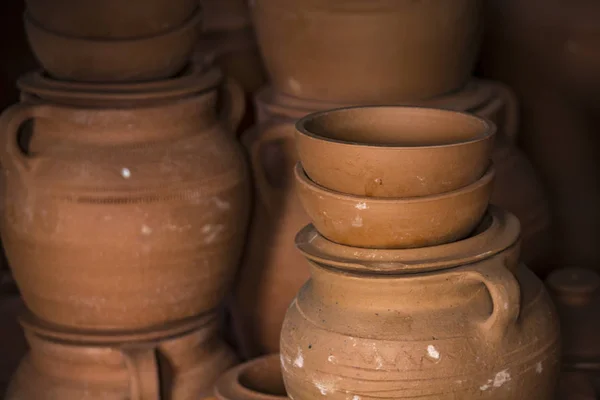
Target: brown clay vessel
x=464, y=320
x=394, y=151
x=394, y=222
x=180, y=363
x=368, y=51
x=258, y=379
x=74, y=58
x=225, y=15
x=127, y=208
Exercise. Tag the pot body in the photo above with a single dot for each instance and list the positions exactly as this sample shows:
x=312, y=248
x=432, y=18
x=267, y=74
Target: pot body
x=123, y=218
x=180, y=367
x=480, y=325
x=386, y=49
x=273, y=271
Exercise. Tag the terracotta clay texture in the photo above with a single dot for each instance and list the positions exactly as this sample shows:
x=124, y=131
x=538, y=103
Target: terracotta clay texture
x=76, y=58
x=179, y=364
x=390, y=223
x=258, y=379
x=576, y=292
x=464, y=320
x=225, y=15
x=110, y=19
x=548, y=51
x=365, y=51
x=360, y=150
x=124, y=208
x=273, y=270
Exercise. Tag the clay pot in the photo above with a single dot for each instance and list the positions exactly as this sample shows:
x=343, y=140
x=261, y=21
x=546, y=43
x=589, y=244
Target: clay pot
x=110, y=19
x=258, y=379
x=366, y=51
x=225, y=15
x=466, y=318
x=273, y=270
x=438, y=151
x=181, y=363
x=391, y=223
x=576, y=293
x=575, y=386
x=108, y=187
x=114, y=60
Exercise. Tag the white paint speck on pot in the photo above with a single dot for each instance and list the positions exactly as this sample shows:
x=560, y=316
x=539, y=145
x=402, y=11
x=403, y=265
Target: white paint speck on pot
x=361, y=206
x=499, y=379
x=146, y=230
x=331, y=359
x=539, y=368
x=432, y=352
x=355, y=397
x=126, y=173
x=299, y=361
x=357, y=222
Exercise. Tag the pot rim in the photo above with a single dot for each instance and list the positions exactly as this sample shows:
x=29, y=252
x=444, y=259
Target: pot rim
x=303, y=179
x=190, y=23
x=488, y=127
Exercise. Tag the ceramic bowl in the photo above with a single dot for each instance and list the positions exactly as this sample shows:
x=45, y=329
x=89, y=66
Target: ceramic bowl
x=394, y=223
x=394, y=151
x=110, y=19
x=128, y=60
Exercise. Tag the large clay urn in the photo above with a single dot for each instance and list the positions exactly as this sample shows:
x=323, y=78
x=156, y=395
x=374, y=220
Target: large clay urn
x=273, y=271
x=464, y=320
x=179, y=363
x=368, y=51
x=124, y=208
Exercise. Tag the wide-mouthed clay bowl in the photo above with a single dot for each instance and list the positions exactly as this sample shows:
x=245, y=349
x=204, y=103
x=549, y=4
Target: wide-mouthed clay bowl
x=394, y=151
x=110, y=19
x=394, y=223
x=148, y=58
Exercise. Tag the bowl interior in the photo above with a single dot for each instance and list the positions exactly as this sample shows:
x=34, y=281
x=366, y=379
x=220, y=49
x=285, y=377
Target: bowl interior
x=396, y=126
x=263, y=377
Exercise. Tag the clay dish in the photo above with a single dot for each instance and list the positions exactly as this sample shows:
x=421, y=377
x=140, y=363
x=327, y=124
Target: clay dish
x=389, y=223
x=394, y=151
x=258, y=379
x=110, y=19
x=147, y=58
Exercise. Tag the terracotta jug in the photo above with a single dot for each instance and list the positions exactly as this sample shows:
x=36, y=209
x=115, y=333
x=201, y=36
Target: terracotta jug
x=179, y=363
x=548, y=52
x=258, y=379
x=576, y=293
x=463, y=320
x=124, y=208
x=368, y=51
x=272, y=270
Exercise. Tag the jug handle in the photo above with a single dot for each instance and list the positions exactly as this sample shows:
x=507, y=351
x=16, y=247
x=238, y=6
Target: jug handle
x=11, y=121
x=234, y=104
x=143, y=371
x=511, y=113
x=271, y=131
x=504, y=290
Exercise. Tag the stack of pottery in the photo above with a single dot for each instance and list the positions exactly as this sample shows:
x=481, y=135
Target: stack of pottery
x=417, y=290
x=124, y=203
x=324, y=55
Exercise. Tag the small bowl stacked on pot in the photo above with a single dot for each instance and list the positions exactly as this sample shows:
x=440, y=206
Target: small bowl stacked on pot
x=394, y=177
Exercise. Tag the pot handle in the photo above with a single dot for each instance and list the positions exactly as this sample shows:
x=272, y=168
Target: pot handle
x=511, y=113
x=234, y=104
x=143, y=371
x=11, y=121
x=269, y=132
x=504, y=290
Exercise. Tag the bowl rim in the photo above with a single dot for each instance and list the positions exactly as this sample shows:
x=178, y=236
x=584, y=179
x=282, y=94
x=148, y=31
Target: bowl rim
x=488, y=133
x=302, y=178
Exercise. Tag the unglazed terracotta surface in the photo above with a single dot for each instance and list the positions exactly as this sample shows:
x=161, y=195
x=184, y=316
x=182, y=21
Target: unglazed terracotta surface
x=361, y=150
x=391, y=223
x=273, y=271
x=467, y=318
x=75, y=58
x=110, y=19
x=124, y=208
x=258, y=379
x=225, y=15
x=183, y=364
x=368, y=51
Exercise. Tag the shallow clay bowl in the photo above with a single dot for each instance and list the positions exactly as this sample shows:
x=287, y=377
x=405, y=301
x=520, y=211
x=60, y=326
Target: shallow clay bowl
x=394, y=151
x=72, y=58
x=110, y=19
x=394, y=223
